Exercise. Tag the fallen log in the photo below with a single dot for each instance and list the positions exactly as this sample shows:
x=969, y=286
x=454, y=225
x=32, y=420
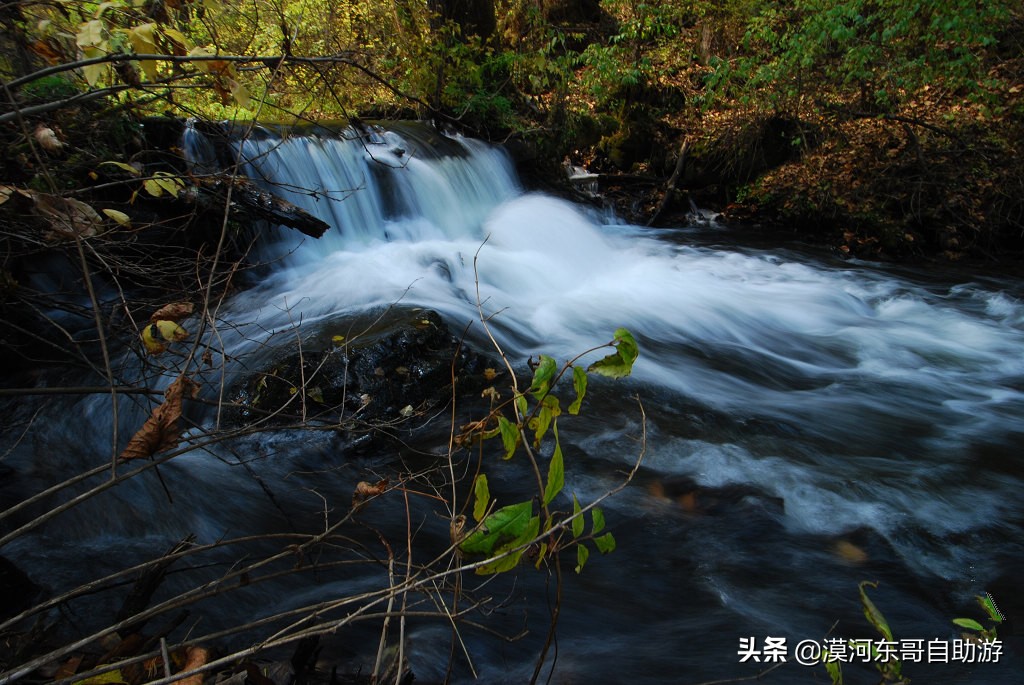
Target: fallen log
x=247, y=201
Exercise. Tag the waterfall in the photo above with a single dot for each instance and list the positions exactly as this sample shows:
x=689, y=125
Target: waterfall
x=797, y=407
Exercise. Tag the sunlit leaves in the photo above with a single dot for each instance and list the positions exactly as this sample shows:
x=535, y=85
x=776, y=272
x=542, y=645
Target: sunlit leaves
x=504, y=534
x=620, y=363
x=121, y=218
x=143, y=40
x=163, y=182
x=124, y=167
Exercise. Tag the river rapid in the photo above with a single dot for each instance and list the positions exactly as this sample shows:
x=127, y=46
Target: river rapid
x=811, y=423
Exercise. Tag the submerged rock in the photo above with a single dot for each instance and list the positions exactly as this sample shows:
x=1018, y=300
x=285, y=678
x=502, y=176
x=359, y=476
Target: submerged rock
x=365, y=371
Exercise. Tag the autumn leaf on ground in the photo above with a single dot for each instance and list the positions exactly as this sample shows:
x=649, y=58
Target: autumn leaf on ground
x=162, y=429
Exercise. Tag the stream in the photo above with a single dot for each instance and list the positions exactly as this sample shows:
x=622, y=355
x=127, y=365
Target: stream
x=811, y=423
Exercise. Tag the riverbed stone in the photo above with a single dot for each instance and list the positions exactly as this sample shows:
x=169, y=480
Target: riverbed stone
x=365, y=371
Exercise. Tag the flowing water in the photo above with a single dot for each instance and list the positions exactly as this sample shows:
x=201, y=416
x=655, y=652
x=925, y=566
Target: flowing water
x=810, y=423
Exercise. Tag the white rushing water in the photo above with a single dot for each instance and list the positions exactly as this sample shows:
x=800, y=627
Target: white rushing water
x=897, y=377
x=870, y=406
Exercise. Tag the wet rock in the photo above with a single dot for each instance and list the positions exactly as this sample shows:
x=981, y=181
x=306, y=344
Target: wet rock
x=359, y=373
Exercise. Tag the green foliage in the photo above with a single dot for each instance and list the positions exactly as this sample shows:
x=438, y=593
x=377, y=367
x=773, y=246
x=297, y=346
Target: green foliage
x=619, y=363
x=50, y=88
x=890, y=668
x=507, y=532
x=877, y=52
x=993, y=616
x=623, y=64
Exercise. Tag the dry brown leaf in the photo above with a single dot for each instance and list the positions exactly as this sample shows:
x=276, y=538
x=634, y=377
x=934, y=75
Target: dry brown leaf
x=69, y=218
x=175, y=311
x=849, y=552
x=196, y=657
x=162, y=429
x=365, y=491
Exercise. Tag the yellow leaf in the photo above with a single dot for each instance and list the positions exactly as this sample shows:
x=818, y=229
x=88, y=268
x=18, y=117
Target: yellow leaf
x=201, y=65
x=94, y=73
x=120, y=217
x=170, y=183
x=240, y=94
x=152, y=187
x=5, y=195
x=90, y=34
x=150, y=338
x=108, y=677
x=177, y=36
x=143, y=42
x=126, y=167
x=338, y=339
x=170, y=330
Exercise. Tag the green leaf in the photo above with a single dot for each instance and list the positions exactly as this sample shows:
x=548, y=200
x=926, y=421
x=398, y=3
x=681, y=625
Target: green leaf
x=509, y=436
x=969, y=623
x=579, y=382
x=871, y=612
x=512, y=560
x=989, y=605
x=556, y=473
x=577, y=523
x=605, y=543
x=549, y=409
x=620, y=363
x=598, y=517
x=543, y=375
x=504, y=525
x=582, y=554
x=522, y=405
x=835, y=670
x=482, y=495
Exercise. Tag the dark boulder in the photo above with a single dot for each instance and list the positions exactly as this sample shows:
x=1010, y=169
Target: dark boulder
x=364, y=373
